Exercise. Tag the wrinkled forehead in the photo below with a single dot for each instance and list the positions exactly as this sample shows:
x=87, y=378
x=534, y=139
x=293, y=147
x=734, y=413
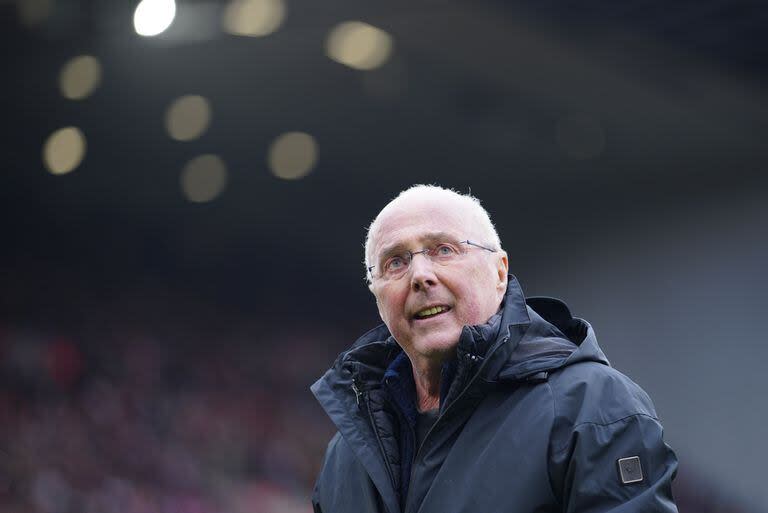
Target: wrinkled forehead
x=416, y=222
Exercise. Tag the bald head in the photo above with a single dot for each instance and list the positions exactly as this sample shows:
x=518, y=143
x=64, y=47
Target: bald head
x=418, y=199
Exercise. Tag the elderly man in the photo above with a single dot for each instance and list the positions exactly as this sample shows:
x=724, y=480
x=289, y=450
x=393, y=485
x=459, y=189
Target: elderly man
x=470, y=398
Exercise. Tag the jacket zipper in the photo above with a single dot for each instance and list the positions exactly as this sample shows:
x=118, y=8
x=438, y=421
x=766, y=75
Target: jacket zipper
x=358, y=394
x=439, y=418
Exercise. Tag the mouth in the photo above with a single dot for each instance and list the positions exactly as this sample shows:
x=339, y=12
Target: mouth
x=432, y=311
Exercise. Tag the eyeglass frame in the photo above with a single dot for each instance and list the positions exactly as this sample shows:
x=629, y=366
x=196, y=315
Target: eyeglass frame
x=422, y=251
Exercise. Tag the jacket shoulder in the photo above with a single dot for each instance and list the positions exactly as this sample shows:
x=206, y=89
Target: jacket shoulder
x=337, y=451
x=595, y=393
x=339, y=463
x=334, y=466
x=601, y=418
x=343, y=483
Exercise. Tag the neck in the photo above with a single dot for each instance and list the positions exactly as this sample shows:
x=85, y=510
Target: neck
x=426, y=376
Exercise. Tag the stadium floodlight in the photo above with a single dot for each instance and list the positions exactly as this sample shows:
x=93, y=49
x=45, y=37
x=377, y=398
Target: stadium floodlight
x=153, y=16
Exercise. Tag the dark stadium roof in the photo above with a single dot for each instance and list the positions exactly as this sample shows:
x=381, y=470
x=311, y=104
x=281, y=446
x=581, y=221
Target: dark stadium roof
x=668, y=96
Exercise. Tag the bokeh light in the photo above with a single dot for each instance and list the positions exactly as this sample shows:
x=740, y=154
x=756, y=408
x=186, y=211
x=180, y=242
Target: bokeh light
x=153, y=16
x=188, y=117
x=64, y=150
x=292, y=155
x=34, y=12
x=580, y=137
x=253, y=17
x=79, y=77
x=358, y=45
x=203, y=178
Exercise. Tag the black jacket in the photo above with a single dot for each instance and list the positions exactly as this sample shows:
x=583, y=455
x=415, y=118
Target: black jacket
x=533, y=419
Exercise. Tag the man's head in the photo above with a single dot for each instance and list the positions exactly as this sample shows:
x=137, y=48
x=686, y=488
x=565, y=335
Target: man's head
x=467, y=280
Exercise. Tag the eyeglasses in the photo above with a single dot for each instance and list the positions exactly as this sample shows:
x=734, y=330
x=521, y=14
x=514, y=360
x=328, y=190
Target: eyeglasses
x=395, y=266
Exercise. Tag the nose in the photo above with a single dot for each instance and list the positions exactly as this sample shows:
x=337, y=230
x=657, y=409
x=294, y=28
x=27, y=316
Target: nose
x=422, y=273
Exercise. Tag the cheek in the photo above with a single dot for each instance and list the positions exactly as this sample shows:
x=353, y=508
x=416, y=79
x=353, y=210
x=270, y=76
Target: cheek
x=391, y=306
x=468, y=305
x=478, y=299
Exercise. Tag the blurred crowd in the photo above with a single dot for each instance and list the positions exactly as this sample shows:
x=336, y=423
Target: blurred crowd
x=184, y=418
x=173, y=418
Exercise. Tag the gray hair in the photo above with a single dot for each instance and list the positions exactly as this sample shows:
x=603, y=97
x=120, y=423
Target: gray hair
x=430, y=192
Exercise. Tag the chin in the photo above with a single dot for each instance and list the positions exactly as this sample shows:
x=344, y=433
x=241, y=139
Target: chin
x=438, y=343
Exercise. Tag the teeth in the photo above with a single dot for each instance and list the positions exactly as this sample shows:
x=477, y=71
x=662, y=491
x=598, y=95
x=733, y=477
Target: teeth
x=431, y=311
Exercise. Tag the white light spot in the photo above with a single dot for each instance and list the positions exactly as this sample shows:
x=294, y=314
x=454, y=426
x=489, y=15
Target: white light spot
x=203, y=178
x=64, y=150
x=188, y=117
x=580, y=137
x=153, y=16
x=79, y=77
x=292, y=155
x=358, y=45
x=253, y=17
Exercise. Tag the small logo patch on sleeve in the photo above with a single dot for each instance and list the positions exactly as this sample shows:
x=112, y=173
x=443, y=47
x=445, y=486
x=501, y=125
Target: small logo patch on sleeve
x=630, y=470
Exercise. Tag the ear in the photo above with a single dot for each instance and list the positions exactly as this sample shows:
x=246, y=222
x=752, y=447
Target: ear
x=502, y=270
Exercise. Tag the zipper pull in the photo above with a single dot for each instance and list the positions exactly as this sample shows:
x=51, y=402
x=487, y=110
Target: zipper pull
x=357, y=392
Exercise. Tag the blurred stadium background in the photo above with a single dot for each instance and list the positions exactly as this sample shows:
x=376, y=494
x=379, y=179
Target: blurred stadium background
x=185, y=186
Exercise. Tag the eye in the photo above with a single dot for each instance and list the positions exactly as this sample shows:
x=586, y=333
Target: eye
x=445, y=250
x=394, y=264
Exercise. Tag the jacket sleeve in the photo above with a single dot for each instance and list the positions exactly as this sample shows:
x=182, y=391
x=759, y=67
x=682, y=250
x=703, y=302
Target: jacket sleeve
x=587, y=478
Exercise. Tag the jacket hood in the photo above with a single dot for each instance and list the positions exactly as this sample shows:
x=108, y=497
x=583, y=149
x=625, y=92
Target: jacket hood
x=553, y=339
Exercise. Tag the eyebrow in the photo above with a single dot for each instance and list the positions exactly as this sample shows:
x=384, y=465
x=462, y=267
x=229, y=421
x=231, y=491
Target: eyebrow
x=429, y=237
